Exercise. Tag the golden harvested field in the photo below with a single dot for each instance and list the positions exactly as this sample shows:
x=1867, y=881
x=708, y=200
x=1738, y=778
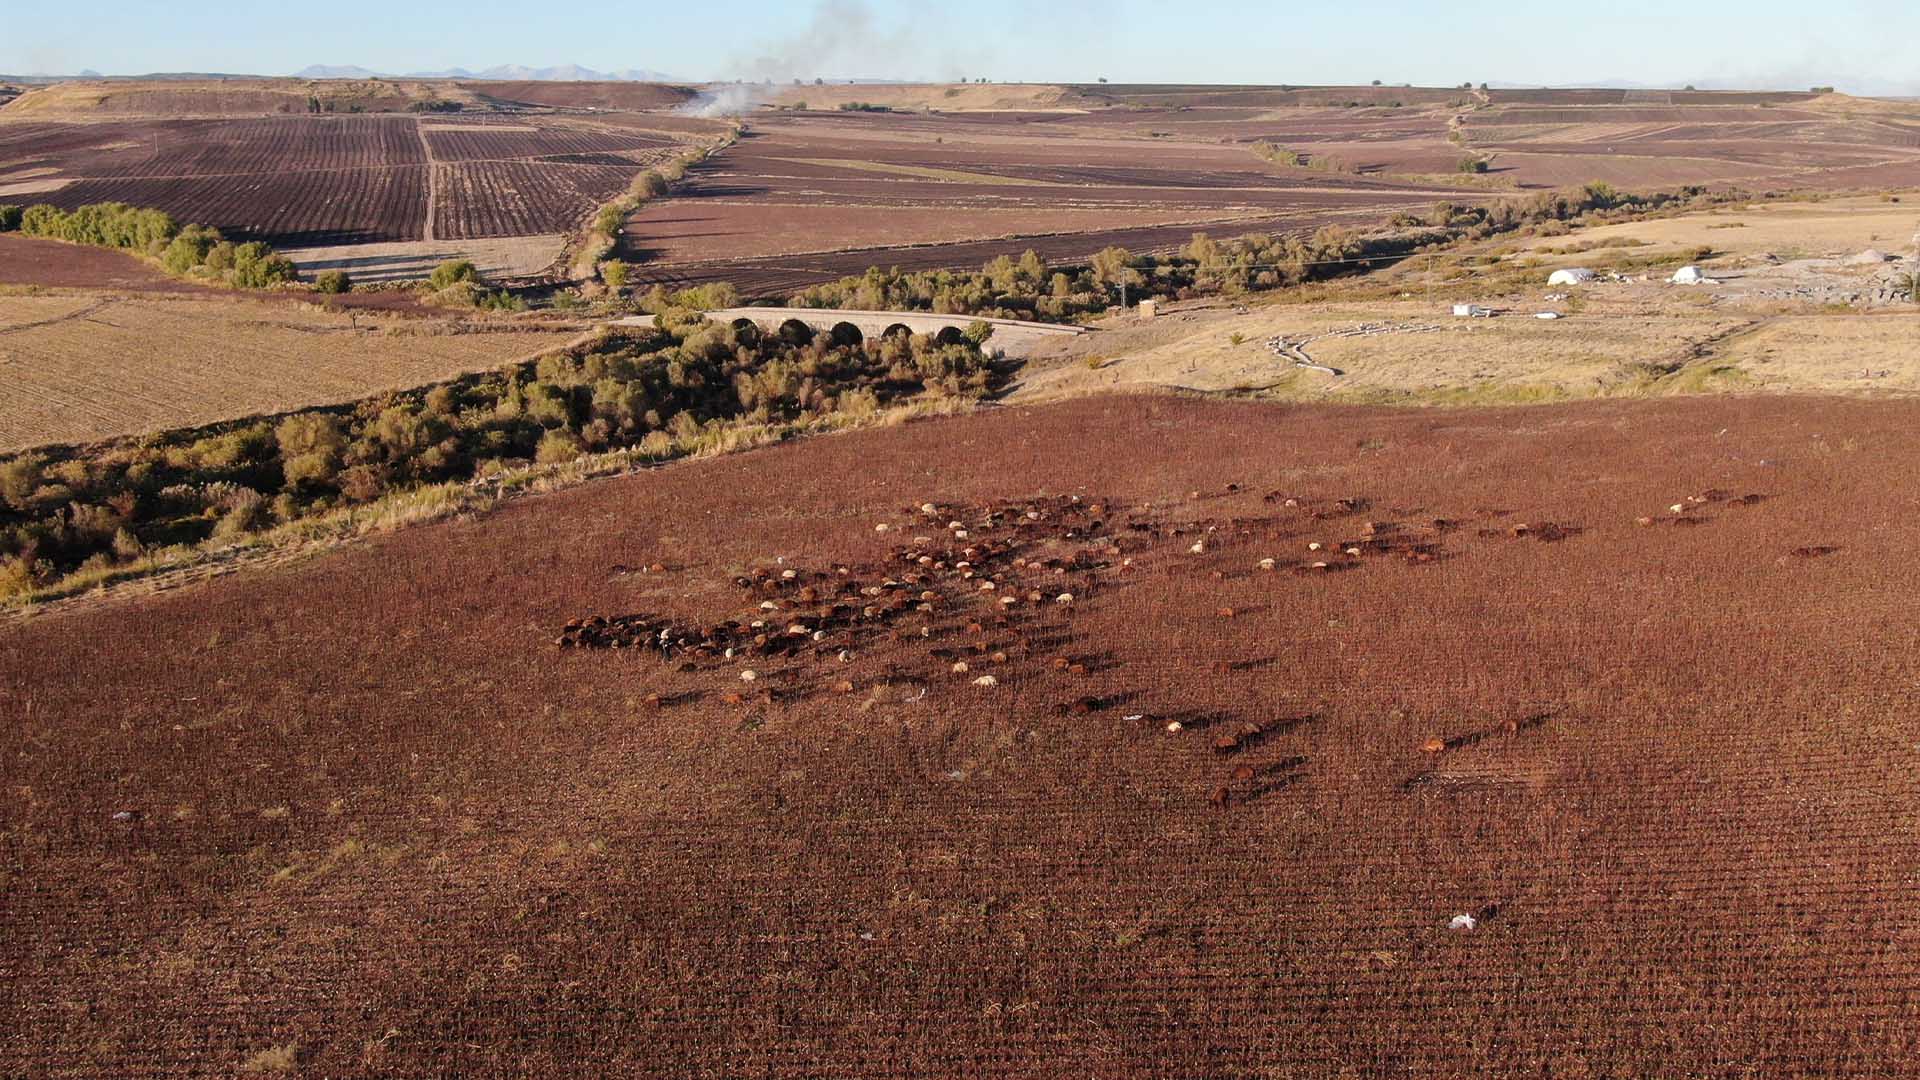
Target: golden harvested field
x=1429, y=356
x=78, y=368
x=1829, y=227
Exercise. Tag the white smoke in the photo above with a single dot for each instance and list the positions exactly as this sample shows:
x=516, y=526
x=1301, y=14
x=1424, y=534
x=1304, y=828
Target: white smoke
x=729, y=100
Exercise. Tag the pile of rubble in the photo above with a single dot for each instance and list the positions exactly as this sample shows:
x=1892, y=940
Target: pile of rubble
x=1294, y=348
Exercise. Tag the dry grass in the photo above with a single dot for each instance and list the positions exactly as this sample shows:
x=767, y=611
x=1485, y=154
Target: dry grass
x=75, y=369
x=1814, y=352
x=1513, y=359
x=412, y=260
x=1832, y=226
x=274, y=1059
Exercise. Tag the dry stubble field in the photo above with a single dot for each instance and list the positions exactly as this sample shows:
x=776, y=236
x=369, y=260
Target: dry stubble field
x=364, y=812
x=80, y=367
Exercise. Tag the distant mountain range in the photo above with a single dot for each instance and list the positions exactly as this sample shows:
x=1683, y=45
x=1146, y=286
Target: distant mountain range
x=503, y=73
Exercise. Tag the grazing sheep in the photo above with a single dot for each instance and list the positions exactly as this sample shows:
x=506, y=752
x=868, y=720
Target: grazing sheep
x=986, y=680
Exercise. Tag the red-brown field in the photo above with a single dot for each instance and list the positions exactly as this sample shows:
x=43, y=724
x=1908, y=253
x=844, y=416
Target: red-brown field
x=923, y=190
x=958, y=176
x=364, y=815
x=25, y=260
x=301, y=182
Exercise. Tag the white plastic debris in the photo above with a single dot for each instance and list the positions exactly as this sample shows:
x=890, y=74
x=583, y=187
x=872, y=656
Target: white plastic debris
x=1267, y=564
x=749, y=675
x=1463, y=922
x=882, y=527
x=1199, y=547
x=1175, y=726
x=1547, y=315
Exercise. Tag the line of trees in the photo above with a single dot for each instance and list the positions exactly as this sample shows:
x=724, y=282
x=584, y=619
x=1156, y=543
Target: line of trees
x=191, y=250
x=679, y=387
x=1029, y=288
x=603, y=238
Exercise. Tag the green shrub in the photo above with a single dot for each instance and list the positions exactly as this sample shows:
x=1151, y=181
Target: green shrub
x=614, y=273
x=556, y=447
x=20, y=478
x=452, y=272
x=650, y=185
x=255, y=266
x=333, y=282
x=310, y=447
x=1474, y=164
x=9, y=217
x=189, y=249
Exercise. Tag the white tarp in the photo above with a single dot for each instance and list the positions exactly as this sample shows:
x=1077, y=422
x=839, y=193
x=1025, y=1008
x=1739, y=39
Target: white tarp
x=1687, y=275
x=1578, y=275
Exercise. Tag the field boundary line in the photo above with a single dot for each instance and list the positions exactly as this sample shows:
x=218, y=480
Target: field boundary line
x=433, y=185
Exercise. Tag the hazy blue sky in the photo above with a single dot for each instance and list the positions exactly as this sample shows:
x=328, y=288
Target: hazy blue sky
x=1867, y=46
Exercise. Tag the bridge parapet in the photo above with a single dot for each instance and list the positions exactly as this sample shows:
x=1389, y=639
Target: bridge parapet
x=1011, y=337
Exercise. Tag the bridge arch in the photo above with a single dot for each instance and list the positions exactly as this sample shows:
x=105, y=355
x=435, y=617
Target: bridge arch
x=745, y=329
x=795, y=332
x=846, y=334
x=948, y=335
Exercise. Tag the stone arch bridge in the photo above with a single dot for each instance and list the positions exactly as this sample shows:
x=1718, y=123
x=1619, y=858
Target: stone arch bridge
x=1011, y=337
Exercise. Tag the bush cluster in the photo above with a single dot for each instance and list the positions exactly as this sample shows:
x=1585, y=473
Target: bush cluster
x=187, y=250
x=679, y=387
x=1028, y=288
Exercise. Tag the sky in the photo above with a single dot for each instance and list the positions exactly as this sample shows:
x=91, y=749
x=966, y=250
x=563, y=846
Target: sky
x=1861, y=46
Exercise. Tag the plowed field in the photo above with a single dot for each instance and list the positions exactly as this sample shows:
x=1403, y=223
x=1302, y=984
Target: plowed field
x=1201, y=818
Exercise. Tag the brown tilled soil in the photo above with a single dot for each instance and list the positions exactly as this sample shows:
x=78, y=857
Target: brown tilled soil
x=29, y=261
x=366, y=814
x=52, y=264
